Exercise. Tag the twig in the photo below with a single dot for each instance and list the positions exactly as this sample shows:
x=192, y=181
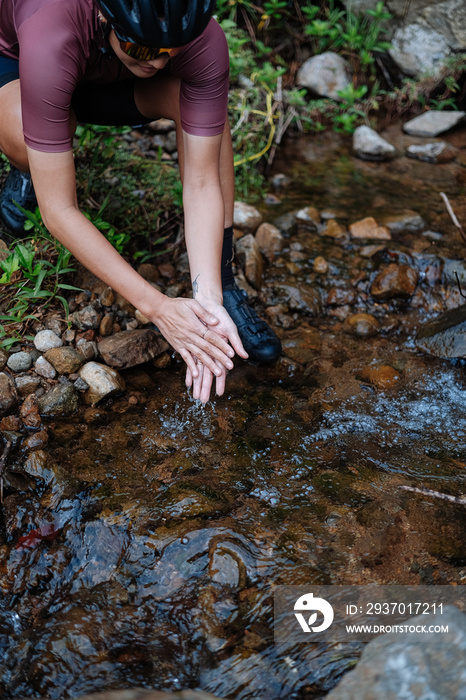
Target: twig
x=3, y=460
x=453, y=215
x=435, y=494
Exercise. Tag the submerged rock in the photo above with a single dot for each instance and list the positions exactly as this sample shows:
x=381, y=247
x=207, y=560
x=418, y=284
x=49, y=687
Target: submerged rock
x=369, y=228
x=362, y=325
x=445, y=336
x=395, y=281
x=433, y=123
x=410, y=665
x=325, y=74
x=368, y=145
x=406, y=220
x=382, y=377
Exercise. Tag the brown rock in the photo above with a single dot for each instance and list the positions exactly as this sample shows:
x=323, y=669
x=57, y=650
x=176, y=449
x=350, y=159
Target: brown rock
x=302, y=345
x=383, y=377
x=66, y=360
x=167, y=270
x=395, y=281
x=30, y=412
x=334, y=230
x=270, y=240
x=36, y=441
x=8, y=395
x=338, y=296
x=308, y=218
x=130, y=348
x=248, y=250
x=12, y=423
x=27, y=384
x=320, y=265
x=107, y=298
x=106, y=325
x=369, y=228
x=362, y=325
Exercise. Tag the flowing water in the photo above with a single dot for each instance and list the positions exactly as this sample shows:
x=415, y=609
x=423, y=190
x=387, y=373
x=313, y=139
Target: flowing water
x=142, y=545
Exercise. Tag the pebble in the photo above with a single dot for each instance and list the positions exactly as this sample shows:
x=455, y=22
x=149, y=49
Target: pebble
x=29, y=412
x=107, y=297
x=62, y=400
x=106, y=325
x=46, y=340
x=246, y=218
x=383, y=377
x=320, y=265
x=438, y=152
x=3, y=359
x=87, y=318
x=44, y=369
x=87, y=348
x=369, y=145
x=334, y=230
x=362, y=325
x=395, y=281
x=27, y=384
x=103, y=381
x=65, y=360
x=8, y=394
x=369, y=228
x=270, y=240
x=19, y=362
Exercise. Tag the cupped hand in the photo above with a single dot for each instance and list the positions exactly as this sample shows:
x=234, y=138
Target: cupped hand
x=189, y=328
x=202, y=383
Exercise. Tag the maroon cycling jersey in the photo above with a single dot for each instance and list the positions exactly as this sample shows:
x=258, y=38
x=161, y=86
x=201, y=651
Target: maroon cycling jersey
x=61, y=44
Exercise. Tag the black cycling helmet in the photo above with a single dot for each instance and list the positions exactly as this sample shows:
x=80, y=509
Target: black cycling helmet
x=167, y=23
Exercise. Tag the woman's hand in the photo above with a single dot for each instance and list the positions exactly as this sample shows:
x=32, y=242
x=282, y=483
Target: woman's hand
x=198, y=335
x=201, y=382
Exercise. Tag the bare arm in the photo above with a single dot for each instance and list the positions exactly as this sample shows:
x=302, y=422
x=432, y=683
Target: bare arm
x=182, y=321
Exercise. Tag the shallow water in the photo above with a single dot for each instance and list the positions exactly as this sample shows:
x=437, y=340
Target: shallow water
x=142, y=546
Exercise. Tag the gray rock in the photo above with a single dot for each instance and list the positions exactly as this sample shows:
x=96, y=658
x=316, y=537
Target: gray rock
x=406, y=220
x=246, y=218
x=247, y=251
x=88, y=318
x=411, y=666
x=368, y=145
x=439, y=152
x=418, y=49
x=44, y=369
x=19, y=362
x=88, y=349
x=433, y=123
x=326, y=75
x=81, y=385
x=46, y=340
x=303, y=298
x=8, y=395
x=131, y=348
x=27, y=384
x=62, y=400
x=103, y=381
x=445, y=336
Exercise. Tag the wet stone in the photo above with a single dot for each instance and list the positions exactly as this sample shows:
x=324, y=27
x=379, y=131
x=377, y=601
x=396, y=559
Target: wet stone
x=308, y=218
x=8, y=395
x=427, y=665
x=383, y=377
x=66, y=360
x=302, y=345
x=62, y=400
x=334, y=230
x=131, y=348
x=440, y=152
x=19, y=362
x=29, y=412
x=303, y=298
x=37, y=441
x=445, y=336
x=44, y=369
x=338, y=296
x=369, y=228
x=10, y=423
x=395, y=281
x=88, y=349
x=103, y=382
x=46, y=340
x=362, y=325
x=27, y=384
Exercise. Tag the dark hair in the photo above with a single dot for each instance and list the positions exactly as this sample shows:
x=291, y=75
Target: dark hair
x=161, y=23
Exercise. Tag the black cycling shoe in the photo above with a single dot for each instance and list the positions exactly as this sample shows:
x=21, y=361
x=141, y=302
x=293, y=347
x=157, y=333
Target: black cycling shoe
x=259, y=340
x=17, y=188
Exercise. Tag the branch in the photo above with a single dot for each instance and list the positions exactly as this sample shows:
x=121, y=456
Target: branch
x=435, y=494
x=453, y=215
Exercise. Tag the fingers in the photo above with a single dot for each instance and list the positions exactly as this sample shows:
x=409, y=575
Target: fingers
x=202, y=384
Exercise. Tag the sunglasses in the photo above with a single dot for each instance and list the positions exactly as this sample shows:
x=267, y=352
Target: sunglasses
x=142, y=53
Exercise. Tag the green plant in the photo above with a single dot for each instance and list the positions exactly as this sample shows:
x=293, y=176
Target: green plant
x=33, y=277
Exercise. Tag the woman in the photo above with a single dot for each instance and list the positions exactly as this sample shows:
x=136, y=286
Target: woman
x=120, y=62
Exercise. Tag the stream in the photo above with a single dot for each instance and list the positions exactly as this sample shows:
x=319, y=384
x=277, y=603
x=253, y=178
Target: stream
x=142, y=545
